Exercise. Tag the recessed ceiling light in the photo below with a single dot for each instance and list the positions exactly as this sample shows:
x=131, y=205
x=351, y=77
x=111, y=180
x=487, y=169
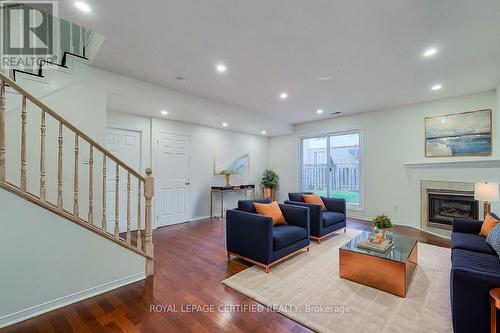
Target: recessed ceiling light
x=82, y=6
x=221, y=68
x=325, y=77
x=319, y=111
x=263, y=132
x=284, y=95
x=164, y=112
x=430, y=52
x=436, y=87
x=224, y=124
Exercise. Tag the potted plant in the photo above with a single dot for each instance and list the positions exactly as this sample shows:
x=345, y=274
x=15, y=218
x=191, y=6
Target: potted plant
x=270, y=183
x=383, y=224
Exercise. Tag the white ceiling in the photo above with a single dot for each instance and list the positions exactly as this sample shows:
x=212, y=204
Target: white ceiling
x=371, y=49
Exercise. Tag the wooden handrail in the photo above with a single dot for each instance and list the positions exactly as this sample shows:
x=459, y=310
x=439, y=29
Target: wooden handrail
x=66, y=124
x=143, y=246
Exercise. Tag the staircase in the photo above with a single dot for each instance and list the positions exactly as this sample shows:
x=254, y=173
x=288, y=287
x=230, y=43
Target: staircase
x=32, y=182
x=76, y=220
x=27, y=122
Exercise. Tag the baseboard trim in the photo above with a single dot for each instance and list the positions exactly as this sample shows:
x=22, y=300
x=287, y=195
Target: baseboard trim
x=39, y=309
x=199, y=218
x=430, y=232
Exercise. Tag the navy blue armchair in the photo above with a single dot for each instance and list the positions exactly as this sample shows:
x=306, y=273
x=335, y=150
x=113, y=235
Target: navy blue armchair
x=253, y=237
x=475, y=271
x=323, y=223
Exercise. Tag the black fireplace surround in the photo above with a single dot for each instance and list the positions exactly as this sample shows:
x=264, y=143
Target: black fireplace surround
x=443, y=208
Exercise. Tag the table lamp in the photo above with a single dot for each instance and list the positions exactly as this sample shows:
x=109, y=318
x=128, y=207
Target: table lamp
x=486, y=192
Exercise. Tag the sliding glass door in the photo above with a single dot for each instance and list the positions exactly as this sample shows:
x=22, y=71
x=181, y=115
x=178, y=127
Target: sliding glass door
x=331, y=166
x=314, y=165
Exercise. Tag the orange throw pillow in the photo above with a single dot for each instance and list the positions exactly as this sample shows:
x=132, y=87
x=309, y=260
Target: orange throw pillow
x=489, y=223
x=314, y=199
x=273, y=210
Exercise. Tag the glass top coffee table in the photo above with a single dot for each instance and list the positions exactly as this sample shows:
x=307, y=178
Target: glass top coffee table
x=389, y=271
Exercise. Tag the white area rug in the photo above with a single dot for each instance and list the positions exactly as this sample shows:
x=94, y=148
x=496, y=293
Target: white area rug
x=311, y=279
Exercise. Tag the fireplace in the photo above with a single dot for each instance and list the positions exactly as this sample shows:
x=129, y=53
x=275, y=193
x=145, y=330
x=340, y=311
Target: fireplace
x=444, y=206
x=437, y=216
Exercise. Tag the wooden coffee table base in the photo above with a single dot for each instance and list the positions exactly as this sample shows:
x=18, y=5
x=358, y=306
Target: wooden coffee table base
x=383, y=274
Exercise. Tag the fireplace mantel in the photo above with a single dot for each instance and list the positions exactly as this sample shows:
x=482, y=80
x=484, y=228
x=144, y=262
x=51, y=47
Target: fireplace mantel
x=490, y=163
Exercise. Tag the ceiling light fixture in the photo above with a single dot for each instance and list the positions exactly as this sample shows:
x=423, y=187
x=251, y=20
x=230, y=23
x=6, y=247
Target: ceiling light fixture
x=284, y=95
x=221, y=68
x=430, y=52
x=224, y=124
x=325, y=77
x=436, y=87
x=319, y=111
x=164, y=112
x=82, y=6
x=263, y=132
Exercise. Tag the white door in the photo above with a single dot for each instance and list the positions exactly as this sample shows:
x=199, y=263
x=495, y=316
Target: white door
x=172, y=179
x=126, y=145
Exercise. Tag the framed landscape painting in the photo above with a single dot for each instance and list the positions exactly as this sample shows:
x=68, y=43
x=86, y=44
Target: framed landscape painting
x=460, y=134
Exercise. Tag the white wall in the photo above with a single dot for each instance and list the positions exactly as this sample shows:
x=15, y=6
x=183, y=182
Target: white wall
x=205, y=141
x=391, y=138
x=48, y=262
x=498, y=97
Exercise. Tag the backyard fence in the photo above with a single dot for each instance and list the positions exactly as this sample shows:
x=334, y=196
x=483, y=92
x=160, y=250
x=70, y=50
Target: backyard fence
x=343, y=175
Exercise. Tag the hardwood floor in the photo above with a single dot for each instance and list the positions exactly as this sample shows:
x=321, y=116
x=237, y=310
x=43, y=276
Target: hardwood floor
x=190, y=265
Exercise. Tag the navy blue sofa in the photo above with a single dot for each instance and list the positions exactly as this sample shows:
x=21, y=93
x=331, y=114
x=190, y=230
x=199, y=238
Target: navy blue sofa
x=475, y=271
x=253, y=237
x=323, y=223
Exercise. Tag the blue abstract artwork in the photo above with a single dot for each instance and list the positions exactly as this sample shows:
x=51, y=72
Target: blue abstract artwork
x=232, y=164
x=461, y=134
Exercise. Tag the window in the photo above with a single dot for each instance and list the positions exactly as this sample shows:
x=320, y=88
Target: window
x=331, y=166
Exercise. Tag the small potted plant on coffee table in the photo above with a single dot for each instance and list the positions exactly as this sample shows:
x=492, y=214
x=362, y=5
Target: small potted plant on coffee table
x=382, y=224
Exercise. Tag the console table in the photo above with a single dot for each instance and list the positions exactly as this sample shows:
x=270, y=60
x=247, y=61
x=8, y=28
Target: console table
x=225, y=189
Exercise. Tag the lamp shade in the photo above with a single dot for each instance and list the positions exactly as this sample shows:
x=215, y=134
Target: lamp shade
x=486, y=191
